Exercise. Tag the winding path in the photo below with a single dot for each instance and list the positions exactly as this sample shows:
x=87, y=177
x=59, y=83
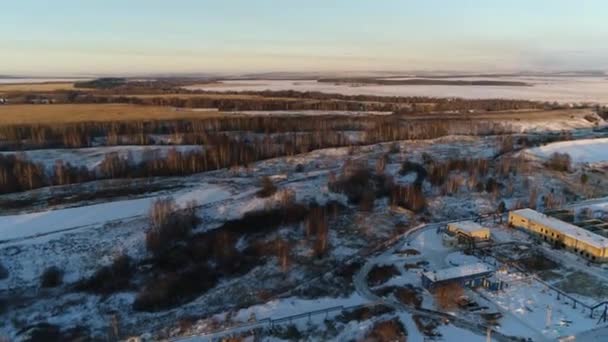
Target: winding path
x=362, y=288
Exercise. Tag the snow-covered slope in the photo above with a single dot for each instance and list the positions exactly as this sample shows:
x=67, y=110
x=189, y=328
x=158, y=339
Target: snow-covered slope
x=25, y=225
x=581, y=151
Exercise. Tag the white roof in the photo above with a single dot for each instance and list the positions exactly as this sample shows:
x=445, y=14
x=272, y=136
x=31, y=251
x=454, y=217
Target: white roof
x=468, y=226
x=565, y=228
x=458, y=272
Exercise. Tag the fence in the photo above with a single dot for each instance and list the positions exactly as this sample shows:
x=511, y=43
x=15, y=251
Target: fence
x=270, y=323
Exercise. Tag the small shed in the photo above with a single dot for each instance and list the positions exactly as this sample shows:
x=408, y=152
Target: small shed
x=469, y=229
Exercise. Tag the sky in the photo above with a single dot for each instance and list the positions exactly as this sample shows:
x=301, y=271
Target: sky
x=89, y=37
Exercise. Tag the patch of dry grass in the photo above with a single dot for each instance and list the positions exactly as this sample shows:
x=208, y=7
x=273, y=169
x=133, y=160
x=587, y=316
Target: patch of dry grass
x=50, y=86
x=71, y=113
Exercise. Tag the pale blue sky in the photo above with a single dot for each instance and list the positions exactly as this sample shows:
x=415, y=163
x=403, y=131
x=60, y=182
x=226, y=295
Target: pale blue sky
x=151, y=36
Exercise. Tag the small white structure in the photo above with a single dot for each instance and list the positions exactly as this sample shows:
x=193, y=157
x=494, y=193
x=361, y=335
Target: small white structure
x=3, y=101
x=469, y=229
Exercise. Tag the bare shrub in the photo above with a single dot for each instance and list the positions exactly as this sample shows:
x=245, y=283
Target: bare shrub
x=51, y=277
x=381, y=163
x=268, y=188
x=506, y=144
x=408, y=295
x=391, y=330
x=3, y=272
x=174, y=289
x=317, y=228
x=368, y=198
x=168, y=223
x=446, y=296
x=109, y=279
x=44, y=332
x=427, y=325
x=363, y=313
x=408, y=167
x=559, y=162
x=394, y=148
x=354, y=181
x=161, y=211
x=409, y=197
x=381, y=274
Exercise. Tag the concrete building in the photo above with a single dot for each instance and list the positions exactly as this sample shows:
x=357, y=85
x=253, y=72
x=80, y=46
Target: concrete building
x=473, y=275
x=469, y=229
x=561, y=234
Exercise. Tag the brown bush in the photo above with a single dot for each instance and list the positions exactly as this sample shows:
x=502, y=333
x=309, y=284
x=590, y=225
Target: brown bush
x=268, y=188
x=109, y=279
x=174, y=289
x=559, y=162
x=3, y=272
x=363, y=313
x=381, y=274
x=45, y=332
x=51, y=277
x=168, y=224
x=427, y=326
x=410, y=197
x=354, y=181
x=446, y=296
x=384, y=331
x=409, y=295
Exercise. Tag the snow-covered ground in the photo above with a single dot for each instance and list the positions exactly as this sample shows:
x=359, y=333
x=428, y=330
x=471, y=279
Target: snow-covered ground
x=581, y=151
x=32, y=224
x=280, y=308
x=230, y=194
x=556, y=124
x=560, y=89
x=529, y=302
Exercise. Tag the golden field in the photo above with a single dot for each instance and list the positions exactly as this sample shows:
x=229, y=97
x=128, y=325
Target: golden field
x=70, y=113
x=51, y=86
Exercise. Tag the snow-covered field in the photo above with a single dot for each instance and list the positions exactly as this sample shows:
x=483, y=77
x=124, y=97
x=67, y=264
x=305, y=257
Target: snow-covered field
x=91, y=157
x=535, y=306
x=560, y=89
x=32, y=224
x=229, y=194
x=581, y=151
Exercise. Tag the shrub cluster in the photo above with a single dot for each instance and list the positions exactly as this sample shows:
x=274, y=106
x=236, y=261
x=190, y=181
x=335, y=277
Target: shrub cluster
x=268, y=188
x=109, y=279
x=559, y=162
x=175, y=288
x=51, y=277
x=168, y=224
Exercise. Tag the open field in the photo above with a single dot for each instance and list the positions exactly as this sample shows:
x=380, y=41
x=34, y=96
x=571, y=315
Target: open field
x=50, y=86
x=559, y=89
x=74, y=113
x=581, y=151
x=71, y=113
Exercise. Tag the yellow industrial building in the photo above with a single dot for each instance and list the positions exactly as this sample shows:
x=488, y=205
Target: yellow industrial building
x=469, y=229
x=561, y=234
